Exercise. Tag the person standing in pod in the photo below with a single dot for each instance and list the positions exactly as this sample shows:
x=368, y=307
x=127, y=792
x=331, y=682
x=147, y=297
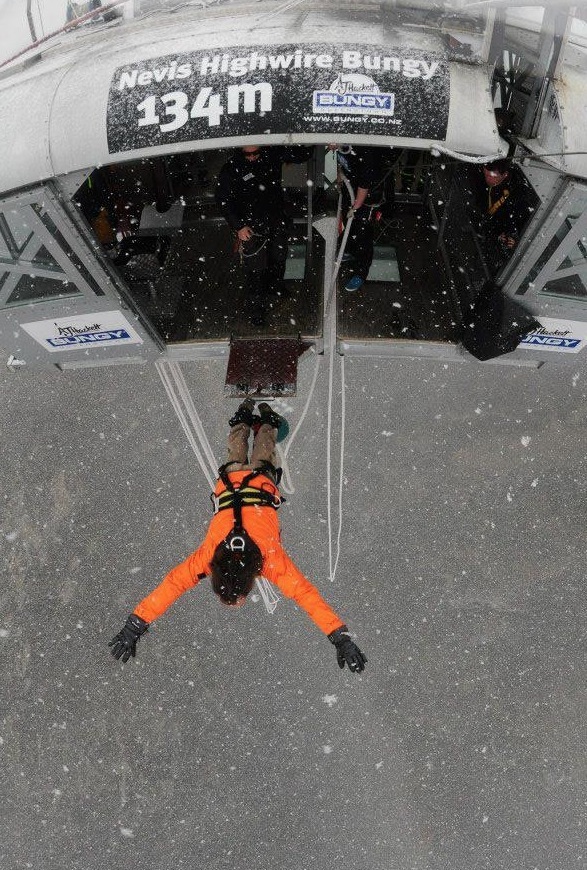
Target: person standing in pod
x=506, y=203
x=362, y=168
x=243, y=540
x=251, y=198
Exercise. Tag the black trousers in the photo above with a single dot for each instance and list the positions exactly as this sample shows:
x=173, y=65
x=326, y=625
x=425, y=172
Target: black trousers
x=265, y=257
x=360, y=242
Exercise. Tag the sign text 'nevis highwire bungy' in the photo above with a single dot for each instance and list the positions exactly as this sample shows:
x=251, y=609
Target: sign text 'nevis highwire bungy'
x=282, y=89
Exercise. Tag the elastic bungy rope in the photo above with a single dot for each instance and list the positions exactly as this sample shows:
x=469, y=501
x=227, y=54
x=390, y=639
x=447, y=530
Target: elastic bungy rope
x=341, y=465
x=177, y=389
x=332, y=283
x=270, y=598
x=168, y=372
x=330, y=326
x=287, y=483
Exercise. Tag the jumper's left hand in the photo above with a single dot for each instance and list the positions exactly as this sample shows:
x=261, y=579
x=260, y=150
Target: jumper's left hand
x=347, y=652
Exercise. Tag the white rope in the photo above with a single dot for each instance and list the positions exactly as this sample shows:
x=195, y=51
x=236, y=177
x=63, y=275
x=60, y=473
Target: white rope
x=176, y=389
x=194, y=417
x=288, y=486
x=181, y=416
x=270, y=597
x=329, y=448
x=334, y=555
x=437, y=150
x=331, y=290
x=330, y=330
x=341, y=464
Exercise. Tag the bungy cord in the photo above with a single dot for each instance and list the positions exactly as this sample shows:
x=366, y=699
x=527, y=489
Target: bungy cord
x=182, y=403
x=330, y=335
x=185, y=410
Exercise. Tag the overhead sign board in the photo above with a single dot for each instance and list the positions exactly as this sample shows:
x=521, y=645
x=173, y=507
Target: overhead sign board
x=278, y=89
x=103, y=329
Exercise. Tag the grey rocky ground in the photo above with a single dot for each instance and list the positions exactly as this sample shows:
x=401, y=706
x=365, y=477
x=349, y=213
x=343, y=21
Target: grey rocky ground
x=233, y=740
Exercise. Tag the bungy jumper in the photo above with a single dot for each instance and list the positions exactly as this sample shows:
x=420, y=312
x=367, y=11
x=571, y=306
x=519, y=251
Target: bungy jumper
x=245, y=537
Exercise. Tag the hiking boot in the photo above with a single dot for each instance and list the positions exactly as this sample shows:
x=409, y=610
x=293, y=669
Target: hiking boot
x=243, y=414
x=268, y=415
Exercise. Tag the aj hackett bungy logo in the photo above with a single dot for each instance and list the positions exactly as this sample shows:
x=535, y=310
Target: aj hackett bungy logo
x=106, y=329
x=556, y=335
x=92, y=334
x=278, y=90
x=352, y=94
x=565, y=340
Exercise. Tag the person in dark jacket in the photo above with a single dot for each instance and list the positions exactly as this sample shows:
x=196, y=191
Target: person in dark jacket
x=362, y=168
x=251, y=197
x=506, y=203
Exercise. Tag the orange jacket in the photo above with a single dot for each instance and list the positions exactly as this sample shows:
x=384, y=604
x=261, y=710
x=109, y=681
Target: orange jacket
x=263, y=526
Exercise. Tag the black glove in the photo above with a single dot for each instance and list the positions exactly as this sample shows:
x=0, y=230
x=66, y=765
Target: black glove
x=125, y=642
x=347, y=651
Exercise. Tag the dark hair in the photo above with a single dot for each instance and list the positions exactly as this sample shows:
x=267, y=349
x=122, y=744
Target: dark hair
x=501, y=165
x=233, y=571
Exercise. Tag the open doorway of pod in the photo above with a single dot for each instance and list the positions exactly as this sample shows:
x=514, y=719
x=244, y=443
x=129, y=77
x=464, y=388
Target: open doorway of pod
x=160, y=224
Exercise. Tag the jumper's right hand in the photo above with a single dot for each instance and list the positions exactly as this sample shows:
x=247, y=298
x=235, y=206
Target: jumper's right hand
x=245, y=233
x=125, y=642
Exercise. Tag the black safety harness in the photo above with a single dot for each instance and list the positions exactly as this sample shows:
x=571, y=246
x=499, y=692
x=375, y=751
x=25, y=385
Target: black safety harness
x=242, y=496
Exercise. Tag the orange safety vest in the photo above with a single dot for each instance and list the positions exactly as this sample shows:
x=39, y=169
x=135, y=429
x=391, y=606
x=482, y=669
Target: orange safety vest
x=262, y=524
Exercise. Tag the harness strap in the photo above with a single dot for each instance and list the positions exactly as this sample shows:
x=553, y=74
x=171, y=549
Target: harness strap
x=492, y=207
x=247, y=495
